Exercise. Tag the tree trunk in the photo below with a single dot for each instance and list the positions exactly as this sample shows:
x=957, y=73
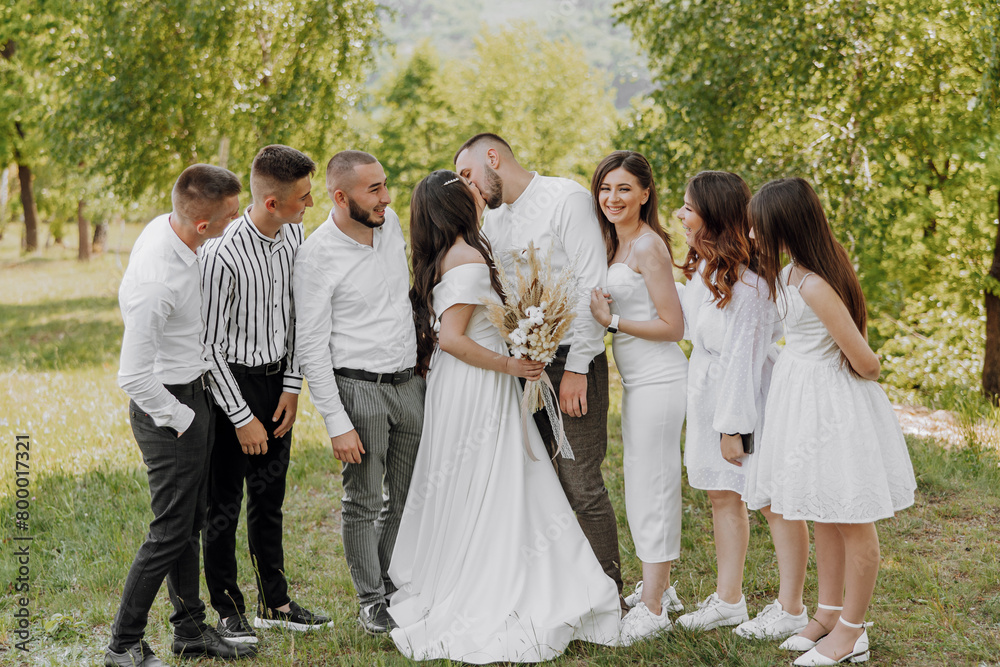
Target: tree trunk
x=30, y=210
x=83, y=226
x=991, y=360
x=4, y=184
x=224, y=152
x=100, y=238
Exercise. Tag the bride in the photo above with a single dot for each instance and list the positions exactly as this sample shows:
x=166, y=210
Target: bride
x=490, y=562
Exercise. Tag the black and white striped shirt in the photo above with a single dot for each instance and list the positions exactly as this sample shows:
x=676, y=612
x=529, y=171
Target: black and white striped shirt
x=246, y=281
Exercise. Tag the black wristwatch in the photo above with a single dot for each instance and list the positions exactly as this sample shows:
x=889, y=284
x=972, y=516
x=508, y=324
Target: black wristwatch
x=613, y=327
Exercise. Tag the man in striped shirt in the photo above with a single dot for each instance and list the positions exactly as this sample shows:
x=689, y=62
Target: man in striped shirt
x=250, y=336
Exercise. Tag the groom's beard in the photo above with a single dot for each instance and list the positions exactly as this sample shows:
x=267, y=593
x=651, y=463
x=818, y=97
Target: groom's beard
x=494, y=188
x=365, y=216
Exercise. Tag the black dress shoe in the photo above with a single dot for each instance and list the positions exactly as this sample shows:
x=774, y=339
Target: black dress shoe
x=209, y=643
x=139, y=655
x=375, y=619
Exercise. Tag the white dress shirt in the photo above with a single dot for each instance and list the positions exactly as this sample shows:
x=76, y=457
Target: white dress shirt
x=160, y=299
x=557, y=213
x=352, y=310
x=247, y=292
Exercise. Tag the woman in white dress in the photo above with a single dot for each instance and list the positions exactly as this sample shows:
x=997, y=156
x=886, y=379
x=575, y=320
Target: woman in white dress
x=490, y=562
x=832, y=451
x=732, y=324
x=646, y=325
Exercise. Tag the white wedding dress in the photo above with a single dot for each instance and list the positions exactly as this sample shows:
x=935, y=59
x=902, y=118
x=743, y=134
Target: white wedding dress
x=490, y=562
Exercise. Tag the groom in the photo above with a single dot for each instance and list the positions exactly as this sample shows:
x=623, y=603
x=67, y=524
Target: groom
x=558, y=214
x=357, y=348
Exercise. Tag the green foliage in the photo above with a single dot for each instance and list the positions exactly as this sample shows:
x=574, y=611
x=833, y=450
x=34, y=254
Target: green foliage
x=62, y=627
x=555, y=110
x=150, y=87
x=933, y=353
x=452, y=28
x=878, y=104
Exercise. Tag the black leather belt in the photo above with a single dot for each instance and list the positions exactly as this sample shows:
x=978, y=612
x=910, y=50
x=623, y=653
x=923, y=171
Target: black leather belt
x=399, y=377
x=272, y=368
x=191, y=388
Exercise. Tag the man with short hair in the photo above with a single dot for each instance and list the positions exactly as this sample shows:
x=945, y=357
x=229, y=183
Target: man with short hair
x=163, y=370
x=357, y=346
x=558, y=214
x=250, y=335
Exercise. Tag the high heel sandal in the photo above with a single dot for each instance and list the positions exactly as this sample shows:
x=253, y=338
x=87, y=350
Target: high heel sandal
x=859, y=653
x=803, y=644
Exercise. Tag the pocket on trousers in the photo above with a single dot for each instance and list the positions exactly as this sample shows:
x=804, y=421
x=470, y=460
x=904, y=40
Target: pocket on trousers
x=142, y=420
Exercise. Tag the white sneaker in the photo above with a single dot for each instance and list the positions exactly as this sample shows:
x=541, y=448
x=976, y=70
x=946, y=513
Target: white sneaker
x=640, y=623
x=668, y=600
x=773, y=622
x=714, y=613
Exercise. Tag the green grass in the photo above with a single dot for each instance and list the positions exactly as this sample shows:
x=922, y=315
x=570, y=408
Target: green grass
x=937, y=601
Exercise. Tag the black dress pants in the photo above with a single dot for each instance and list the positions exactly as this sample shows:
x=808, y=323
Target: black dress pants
x=264, y=475
x=177, y=470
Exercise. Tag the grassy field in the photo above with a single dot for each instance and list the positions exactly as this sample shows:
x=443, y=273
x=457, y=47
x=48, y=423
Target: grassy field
x=937, y=601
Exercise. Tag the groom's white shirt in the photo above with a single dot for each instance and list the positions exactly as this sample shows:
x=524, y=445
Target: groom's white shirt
x=558, y=213
x=352, y=310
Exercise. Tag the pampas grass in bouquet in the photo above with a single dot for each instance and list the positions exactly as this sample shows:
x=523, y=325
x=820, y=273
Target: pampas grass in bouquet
x=538, y=310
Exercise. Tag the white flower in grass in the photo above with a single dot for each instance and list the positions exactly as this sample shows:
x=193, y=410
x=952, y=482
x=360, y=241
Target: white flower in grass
x=518, y=337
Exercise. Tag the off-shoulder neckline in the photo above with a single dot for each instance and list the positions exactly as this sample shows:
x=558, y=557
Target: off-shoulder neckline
x=459, y=266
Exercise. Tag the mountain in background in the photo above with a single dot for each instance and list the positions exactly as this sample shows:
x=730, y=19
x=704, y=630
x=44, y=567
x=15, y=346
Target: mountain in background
x=451, y=27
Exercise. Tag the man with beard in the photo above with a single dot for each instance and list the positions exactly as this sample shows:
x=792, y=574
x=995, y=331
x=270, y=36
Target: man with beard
x=357, y=348
x=558, y=214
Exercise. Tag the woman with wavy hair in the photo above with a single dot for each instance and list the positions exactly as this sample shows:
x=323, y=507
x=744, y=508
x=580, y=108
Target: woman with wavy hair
x=490, y=563
x=646, y=324
x=732, y=324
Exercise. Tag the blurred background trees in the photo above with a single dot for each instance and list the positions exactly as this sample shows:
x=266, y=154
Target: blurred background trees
x=889, y=108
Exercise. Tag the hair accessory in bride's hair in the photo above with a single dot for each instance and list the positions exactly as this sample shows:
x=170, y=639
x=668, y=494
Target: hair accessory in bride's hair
x=451, y=181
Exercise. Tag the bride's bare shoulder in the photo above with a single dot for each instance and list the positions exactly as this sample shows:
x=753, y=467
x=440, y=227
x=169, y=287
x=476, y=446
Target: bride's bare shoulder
x=461, y=253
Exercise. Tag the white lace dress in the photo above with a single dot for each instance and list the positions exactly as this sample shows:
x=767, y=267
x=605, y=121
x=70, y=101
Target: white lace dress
x=490, y=561
x=832, y=450
x=728, y=374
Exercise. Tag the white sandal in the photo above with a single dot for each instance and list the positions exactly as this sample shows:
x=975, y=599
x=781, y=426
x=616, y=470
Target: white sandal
x=803, y=644
x=859, y=653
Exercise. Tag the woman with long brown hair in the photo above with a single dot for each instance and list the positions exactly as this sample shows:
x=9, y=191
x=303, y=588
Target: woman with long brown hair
x=646, y=324
x=732, y=324
x=832, y=451
x=490, y=564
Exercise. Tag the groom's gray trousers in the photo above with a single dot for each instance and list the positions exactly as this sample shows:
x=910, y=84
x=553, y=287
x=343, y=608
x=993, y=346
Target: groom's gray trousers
x=388, y=419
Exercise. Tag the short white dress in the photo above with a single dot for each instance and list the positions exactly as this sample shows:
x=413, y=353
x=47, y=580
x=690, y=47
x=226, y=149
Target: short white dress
x=832, y=450
x=654, y=384
x=733, y=351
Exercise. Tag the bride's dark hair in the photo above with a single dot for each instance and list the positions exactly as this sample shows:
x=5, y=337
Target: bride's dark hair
x=442, y=209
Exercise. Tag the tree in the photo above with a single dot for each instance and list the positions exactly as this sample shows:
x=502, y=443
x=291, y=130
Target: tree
x=990, y=96
x=150, y=87
x=875, y=103
x=418, y=128
x=22, y=81
x=556, y=111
